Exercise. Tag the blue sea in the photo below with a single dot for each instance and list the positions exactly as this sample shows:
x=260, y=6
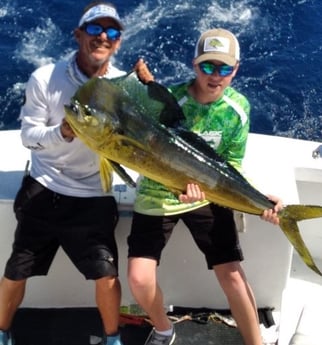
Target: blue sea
x=281, y=51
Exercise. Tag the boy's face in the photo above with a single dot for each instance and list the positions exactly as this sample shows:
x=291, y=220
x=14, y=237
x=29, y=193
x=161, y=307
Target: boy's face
x=211, y=78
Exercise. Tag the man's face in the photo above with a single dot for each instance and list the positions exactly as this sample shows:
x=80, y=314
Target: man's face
x=97, y=49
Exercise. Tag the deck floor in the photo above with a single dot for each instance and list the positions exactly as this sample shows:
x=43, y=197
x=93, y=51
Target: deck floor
x=82, y=326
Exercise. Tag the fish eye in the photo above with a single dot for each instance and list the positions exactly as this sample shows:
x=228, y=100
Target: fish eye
x=87, y=110
x=74, y=108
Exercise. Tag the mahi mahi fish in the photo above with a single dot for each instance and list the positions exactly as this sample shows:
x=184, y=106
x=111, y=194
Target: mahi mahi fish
x=138, y=126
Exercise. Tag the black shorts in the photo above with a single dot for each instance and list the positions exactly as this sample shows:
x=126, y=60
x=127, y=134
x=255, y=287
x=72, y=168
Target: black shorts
x=83, y=227
x=212, y=228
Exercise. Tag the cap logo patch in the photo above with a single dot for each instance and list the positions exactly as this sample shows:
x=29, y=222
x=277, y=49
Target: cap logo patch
x=99, y=11
x=216, y=44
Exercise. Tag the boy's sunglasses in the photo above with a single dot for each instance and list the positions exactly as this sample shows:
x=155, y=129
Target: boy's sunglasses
x=209, y=68
x=91, y=29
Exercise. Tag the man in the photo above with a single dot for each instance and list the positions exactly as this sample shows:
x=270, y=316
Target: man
x=61, y=202
x=220, y=114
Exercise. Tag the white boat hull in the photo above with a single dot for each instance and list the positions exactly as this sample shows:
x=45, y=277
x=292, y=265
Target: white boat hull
x=275, y=165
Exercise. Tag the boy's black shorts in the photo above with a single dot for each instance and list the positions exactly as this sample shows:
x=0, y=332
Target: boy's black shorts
x=212, y=228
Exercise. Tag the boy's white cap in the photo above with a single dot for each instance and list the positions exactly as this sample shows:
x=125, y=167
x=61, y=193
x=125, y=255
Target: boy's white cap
x=218, y=44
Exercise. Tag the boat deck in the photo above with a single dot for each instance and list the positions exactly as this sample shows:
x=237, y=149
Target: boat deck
x=82, y=326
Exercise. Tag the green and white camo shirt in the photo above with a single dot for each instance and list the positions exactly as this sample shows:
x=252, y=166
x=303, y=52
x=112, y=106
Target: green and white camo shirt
x=224, y=124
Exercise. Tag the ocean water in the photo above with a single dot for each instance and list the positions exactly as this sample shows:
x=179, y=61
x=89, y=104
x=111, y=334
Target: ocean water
x=281, y=51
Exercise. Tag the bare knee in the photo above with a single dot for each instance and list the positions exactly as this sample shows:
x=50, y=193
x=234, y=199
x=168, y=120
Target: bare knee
x=12, y=285
x=141, y=273
x=138, y=280
x=107, y=283
x=230, y=276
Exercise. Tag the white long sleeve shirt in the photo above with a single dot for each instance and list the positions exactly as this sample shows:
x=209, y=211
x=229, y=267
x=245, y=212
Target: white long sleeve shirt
x=68, y=168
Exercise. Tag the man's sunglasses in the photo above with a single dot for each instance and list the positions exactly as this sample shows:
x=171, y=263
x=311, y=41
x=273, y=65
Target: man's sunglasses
x=209, y=68
x=91, y=29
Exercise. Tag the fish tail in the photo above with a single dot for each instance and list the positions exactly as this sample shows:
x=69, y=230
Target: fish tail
x=289, y=217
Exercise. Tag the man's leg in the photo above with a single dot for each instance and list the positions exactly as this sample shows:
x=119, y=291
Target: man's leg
x=11, y=296
x=108, y=299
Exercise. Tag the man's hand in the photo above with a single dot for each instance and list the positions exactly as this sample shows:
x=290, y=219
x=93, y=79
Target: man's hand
x=143, y=72
x=66, y=131
x=193, y=193
x=271, y=215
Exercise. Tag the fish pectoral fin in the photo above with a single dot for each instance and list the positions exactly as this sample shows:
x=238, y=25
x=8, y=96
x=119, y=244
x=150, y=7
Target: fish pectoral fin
x=290, y=228
x=106, y=170
x=123, y=174
x=123, y=140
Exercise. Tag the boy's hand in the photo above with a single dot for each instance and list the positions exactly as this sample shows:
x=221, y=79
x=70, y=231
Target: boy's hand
x=271, y=215
x=193, y=193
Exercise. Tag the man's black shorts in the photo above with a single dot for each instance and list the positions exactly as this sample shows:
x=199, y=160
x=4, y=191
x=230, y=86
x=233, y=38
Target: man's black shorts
x=83, y=227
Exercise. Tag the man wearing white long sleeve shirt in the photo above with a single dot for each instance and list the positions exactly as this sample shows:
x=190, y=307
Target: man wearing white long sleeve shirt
x=61, y=202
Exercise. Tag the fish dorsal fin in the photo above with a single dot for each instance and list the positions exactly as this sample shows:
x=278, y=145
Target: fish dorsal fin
x=162, y=104
x=172, y=114
x=197, y=142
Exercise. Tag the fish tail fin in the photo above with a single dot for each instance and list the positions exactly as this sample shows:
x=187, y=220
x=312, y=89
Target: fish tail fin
x=105, y=173
x=289, y=217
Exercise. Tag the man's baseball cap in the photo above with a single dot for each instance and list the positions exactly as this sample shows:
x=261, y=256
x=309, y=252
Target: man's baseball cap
x=218, y=44
x=101, y=11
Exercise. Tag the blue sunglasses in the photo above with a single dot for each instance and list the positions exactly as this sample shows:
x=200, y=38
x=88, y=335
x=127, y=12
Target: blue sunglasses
x=91, y=29
x=209, y=68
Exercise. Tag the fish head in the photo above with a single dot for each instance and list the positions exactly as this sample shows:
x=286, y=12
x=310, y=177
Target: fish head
x=88, y=116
